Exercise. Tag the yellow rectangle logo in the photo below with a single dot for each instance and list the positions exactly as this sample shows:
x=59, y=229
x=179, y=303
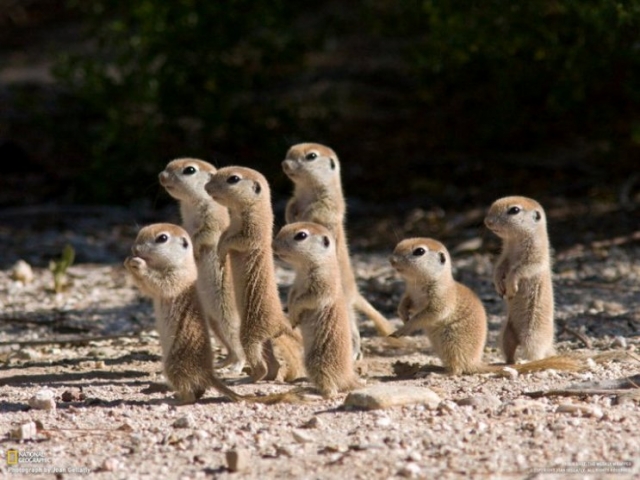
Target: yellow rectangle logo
x=12, y=457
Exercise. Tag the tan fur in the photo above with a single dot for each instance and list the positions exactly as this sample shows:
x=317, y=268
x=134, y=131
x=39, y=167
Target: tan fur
x=451, y=314
x=162, y=267
x=318, y=198
x=522, y=276
x=247, y=242
x=205, y=220
x=317, y=305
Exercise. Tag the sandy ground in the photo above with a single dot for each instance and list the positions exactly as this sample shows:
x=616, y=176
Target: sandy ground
x=94, y=346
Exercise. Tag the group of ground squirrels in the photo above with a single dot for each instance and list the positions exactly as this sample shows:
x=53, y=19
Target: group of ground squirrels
x=216, y=273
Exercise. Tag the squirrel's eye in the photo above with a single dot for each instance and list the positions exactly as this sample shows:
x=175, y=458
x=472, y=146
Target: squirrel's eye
x=513, y=211
x=418, y=252
x=300, y=236
x=311, y=156
x=162, y=238
x=443, y=258
x=190, y=170
x=233, y=179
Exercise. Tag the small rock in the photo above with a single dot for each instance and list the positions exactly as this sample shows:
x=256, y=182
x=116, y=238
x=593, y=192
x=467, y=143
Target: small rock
x=313, y=422
x=619, y=341
x=411, y=470
x=125, y=427
x=596, y=306
x=481, y=402
x=73, y=395
x=614, y=308
x=28, y=354
x=99, y=364
x=25, y=431
x=385, y=396
x=22, y=272
x=448, y=406
x=283, y=451
x=586, y=410
x=110, y=464
x=201, y=434
x=509, y=372
x=43, y=400
x=301, y=436
x=185, y=422
x=383, y=422
x=238, y=459
x=520, y=405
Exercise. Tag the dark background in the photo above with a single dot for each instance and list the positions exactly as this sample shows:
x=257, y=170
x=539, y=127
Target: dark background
x=434, y=108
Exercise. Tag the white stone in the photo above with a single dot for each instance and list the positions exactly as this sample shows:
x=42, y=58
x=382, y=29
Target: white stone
x=385, y=396
x=301, y=436
x=586, y=410
x=185, y=422
x=43, y=400
x=22, y=272
x=25, y=431
x=238, y=459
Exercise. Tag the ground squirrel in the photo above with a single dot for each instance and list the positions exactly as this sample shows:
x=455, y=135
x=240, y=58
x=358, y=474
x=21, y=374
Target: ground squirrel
x=163, y=267
x=314, y=170
x=451, y=314
x=522, y=276
x=205, y=220
x=247, y=242
x=317, y=305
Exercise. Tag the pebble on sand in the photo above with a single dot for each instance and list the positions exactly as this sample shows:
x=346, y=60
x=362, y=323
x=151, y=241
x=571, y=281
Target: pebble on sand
x=43, y=400
x=385, y=396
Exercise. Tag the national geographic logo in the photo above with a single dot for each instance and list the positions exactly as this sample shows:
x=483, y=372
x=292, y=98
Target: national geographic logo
x=12, y=457
x=15, y=457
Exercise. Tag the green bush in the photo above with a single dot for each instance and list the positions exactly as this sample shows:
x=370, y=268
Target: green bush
x=178, y=78
x=513, y=74
x=230, y=81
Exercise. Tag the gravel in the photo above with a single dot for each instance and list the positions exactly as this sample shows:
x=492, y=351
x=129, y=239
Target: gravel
x=94, y=350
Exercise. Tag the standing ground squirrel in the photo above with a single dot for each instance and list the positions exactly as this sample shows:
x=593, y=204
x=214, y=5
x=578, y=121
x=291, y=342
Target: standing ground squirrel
x=205, y=220
x=317, y=305
x=162, y=267
x=451, y=314
x=314, y=170
x=522, y=276
x=247, y=242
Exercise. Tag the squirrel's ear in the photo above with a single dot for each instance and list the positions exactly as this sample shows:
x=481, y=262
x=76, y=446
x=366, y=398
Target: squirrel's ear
x=326, y=242
x=257, y=187
x=536, y=215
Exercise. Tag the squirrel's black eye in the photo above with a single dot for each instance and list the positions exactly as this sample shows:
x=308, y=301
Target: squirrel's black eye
x=233, y=179
x=443, y=258
x=162, y=238
x=513, y=211
x=311, y=156
x=189, y=170
x=418, y=252
x=300, y=236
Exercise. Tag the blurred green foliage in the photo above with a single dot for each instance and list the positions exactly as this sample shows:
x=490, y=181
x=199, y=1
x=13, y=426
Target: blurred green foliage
x=513, y=74
x=166, y=79
x=177, y=78
x=59, y=268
